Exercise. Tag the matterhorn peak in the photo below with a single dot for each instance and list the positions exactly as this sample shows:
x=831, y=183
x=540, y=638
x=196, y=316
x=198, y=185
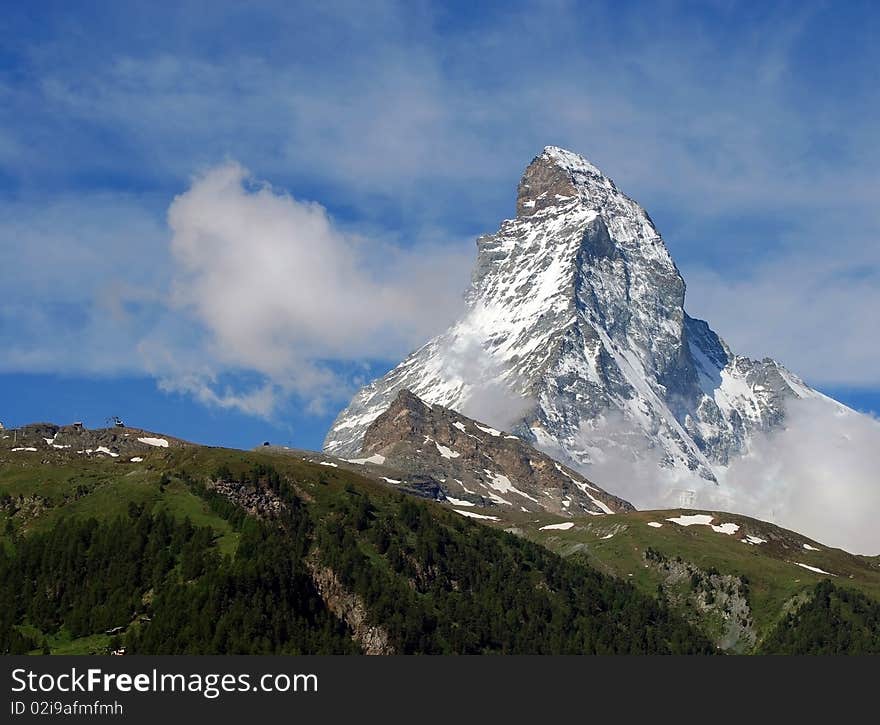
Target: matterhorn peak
x=575, y=338
x=553, y=177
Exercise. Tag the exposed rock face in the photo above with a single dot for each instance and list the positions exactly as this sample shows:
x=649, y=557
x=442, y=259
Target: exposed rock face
x=717, y=602
x=349, y=608
x=260, y=502
x=575, y=338
x=476, y=465
x=25, y=508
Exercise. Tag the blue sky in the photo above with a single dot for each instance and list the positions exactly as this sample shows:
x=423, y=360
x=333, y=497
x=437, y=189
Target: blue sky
x=217, y=220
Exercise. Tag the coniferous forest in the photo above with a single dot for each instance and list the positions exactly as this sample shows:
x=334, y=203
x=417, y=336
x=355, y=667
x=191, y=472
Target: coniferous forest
x=433, y=582
x=835, y=621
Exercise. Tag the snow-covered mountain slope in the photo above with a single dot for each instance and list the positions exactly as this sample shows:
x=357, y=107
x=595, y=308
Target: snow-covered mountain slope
x=576, y=339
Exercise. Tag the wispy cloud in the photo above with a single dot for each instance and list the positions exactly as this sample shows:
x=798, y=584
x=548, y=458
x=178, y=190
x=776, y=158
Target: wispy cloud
x=815, y=311
x=753, y=151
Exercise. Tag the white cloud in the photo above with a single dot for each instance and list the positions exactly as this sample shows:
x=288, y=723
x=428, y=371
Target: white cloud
x=280, y=290
x=245, y=283
x=817, y=475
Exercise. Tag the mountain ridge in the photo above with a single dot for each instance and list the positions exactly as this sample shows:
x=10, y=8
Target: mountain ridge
x=476, y=465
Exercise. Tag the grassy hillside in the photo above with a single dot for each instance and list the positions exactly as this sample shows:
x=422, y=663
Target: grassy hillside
x=212, y=550
x=367, y=568
x=664, y=559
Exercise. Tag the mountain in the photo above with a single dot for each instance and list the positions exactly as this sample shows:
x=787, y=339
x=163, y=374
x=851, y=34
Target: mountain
x=475, y=465
x=575, y=338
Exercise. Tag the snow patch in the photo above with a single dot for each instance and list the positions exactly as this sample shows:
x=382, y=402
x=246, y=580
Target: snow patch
x=466, y=489
x=375, y=458
x=490, y=431
x=472, y=515
x=156, y=442
x=728, y=529
x=502, y=484
x=693, y=520
x=558, y=527
x=705, y=520
x=580, y=484
x=813, y=568
x=655, y=525
x=458, y=501
x=446, y=452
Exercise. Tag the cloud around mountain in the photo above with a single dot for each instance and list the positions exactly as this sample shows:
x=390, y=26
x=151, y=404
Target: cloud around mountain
x=817, y=475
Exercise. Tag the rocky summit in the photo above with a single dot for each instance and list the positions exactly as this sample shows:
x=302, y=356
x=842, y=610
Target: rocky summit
x=476, y=465
x=575, y=338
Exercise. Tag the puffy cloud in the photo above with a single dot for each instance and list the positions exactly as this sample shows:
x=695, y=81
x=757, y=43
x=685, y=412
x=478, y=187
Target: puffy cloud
x=280, y=290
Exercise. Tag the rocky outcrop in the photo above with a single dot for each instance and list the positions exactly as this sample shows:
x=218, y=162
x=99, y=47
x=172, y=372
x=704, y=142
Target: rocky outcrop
x=25, y=508
x=259, y=502
x=348, y=607
x=717, y=603
x=473, y=464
